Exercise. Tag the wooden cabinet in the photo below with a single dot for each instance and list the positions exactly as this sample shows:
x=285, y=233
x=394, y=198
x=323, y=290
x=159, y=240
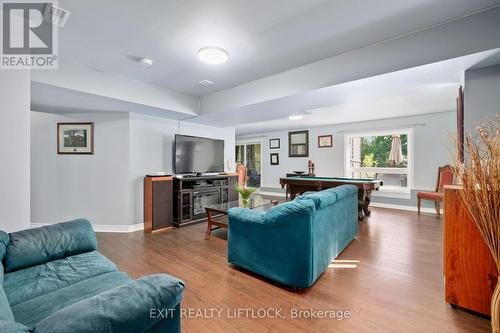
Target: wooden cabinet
x=193, y=193
x=158, y=203
x=469, y=270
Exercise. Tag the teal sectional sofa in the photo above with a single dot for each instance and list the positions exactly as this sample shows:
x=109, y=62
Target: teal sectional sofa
x=52, y=279
x=294, y=242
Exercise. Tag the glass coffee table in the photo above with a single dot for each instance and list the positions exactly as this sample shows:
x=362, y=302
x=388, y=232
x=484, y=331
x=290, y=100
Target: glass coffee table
x=216, y=213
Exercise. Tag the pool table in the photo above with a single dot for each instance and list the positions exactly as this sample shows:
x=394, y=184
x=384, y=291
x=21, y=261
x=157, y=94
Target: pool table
x=299, y=184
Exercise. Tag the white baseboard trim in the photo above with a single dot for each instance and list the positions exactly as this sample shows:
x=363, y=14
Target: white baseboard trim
x=403, y=207
x=122, y=228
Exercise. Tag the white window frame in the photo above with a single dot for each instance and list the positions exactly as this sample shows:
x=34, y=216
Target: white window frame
x=387, y=191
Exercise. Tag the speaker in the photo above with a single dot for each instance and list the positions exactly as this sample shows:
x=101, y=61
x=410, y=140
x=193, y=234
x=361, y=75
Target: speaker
x=158, y=203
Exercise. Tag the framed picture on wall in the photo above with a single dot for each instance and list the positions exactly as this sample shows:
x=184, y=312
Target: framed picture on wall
x=274, y=143
x=298, y=144
x=275, y=159
x=75, y=138
x=325, y=141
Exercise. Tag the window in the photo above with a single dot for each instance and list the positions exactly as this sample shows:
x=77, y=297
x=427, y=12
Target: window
x=385, y=155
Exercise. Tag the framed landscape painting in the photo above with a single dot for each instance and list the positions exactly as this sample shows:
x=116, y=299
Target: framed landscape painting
x=75, y=138
x=325, y=141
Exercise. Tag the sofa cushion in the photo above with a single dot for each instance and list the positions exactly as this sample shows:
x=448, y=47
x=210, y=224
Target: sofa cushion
x=35, y=281
x=247, y=215
x=125, y=309
x=5, y=309
x=290, y=210
x=40, y=245
x=343, y=191
x=34, y=310
x=4, y=241
x=329, y=196
x=321, y=199
x=310, y=196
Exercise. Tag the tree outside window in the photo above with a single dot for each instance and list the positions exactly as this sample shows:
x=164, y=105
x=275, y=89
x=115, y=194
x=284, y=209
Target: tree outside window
x=381, y=155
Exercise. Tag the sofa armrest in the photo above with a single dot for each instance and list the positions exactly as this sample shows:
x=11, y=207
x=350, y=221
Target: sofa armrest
x=37, y=246
x=13, y=327
x=134, y=307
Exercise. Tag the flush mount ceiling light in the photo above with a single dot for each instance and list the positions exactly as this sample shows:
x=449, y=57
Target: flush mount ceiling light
x=146, y=62
x=205, y=83
x=213, y=55
x=296, y=117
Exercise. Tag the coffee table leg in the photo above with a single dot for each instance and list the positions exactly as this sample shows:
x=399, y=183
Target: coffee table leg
x=209, y=223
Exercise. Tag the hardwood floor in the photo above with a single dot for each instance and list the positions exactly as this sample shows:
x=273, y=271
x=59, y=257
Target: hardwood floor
x=389, y=279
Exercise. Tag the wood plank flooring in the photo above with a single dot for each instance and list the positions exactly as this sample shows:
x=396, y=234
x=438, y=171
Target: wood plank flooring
x=389, y=279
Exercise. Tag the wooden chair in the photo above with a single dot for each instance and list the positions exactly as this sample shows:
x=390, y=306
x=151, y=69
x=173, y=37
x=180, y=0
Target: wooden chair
x=445, y=177
x=241, y=170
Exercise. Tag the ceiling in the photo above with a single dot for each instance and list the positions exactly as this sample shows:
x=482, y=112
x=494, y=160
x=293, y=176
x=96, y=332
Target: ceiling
x=334, y=61
x=419, y=90
x=262, y=37
x=71, y=101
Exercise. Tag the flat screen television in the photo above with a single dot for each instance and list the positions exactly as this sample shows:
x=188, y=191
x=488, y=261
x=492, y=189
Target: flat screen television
x=198, y=155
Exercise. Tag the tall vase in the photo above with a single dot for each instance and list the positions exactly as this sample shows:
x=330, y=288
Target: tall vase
x=495, y=309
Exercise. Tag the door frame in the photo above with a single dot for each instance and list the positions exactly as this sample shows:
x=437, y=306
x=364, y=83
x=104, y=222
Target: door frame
x=252, y=141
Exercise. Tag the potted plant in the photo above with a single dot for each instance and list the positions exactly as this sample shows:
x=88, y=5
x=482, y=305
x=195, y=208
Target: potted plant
x=245, y=193
x=480, y=179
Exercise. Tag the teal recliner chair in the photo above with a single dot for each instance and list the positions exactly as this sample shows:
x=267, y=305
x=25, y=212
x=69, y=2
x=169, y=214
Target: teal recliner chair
x=294, y=243
x=52, y=279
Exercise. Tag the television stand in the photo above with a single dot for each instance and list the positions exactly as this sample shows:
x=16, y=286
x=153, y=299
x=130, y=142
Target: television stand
x=192, y=193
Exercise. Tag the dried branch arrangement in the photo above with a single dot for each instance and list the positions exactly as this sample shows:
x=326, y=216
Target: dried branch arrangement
x=480, y=178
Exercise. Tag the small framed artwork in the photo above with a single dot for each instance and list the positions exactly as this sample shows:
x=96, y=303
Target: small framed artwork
x=298, y=144
x=275, y=159
x=75, y=138
x=274, y=143
x=325, y=141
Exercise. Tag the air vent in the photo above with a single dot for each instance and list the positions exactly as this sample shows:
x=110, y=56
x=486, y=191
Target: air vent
x=205, y=83
x=56, y=15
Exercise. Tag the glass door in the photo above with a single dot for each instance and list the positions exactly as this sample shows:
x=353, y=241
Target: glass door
x=249, y=154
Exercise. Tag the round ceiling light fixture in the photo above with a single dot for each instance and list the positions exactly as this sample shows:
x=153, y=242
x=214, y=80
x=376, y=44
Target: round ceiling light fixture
x=296, y=117
x=146, y=62
x=213, y=55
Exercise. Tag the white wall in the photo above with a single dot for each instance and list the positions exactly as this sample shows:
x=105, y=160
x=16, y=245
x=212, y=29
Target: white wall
x=107, y=187
x=432, y=148
x=151, y=149
x=482, y=95
x=95, y=186
x=14, y=149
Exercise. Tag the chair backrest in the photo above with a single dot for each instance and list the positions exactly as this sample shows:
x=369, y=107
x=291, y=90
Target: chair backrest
x=445, y=177
x=241, y=170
